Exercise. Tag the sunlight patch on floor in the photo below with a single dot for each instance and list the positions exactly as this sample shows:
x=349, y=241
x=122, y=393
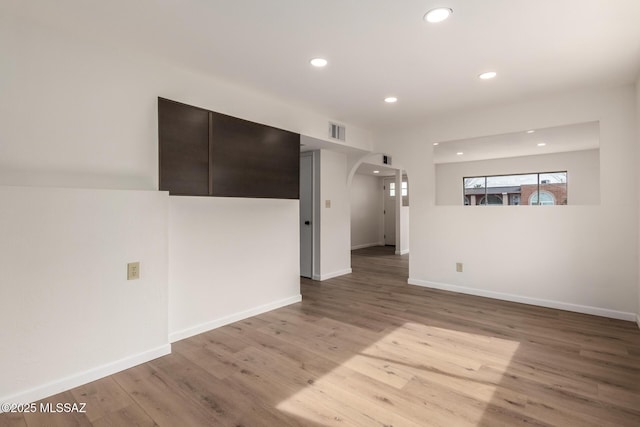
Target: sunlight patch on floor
x=415, y=375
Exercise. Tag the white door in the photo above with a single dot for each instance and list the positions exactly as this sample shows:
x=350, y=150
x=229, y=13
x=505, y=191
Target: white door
x=389, y=211
x=306, y=214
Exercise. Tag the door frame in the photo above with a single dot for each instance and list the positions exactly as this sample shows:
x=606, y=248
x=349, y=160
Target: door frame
x=315, y=212
x=376, y=159
x=386, y=180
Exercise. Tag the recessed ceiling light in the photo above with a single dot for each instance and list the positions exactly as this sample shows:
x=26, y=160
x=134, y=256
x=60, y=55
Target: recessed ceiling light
x=438, y=15
x=488, y=75
x=376, y=171
x=459, y=153
x=541, y=144
x=319, y=62
x=436, y=143
x=390, y=99
x=531, y=131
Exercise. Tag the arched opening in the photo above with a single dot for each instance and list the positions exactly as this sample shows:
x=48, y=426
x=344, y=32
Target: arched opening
x=379, y=197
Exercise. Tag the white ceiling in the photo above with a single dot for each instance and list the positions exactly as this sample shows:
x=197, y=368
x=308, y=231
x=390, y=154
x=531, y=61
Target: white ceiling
x=369, y=168
x=581, y=136
x=375, y=48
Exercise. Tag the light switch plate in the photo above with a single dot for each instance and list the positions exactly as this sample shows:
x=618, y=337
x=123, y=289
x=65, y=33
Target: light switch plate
x=133, y=271
x=327, y=203
x=459, y=267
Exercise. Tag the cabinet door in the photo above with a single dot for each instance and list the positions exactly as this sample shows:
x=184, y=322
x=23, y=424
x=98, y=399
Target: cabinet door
x=183, y=133
x=253, y=160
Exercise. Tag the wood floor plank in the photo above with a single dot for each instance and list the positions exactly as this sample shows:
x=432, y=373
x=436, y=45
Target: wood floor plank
x=56, y=416
x=316, y=394
x=11, y=419
x=102, y=397
x=222, y=399
x=162, y=400
x=132, y=415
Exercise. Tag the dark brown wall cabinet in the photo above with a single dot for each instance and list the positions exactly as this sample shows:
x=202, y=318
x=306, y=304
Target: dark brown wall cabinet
x=204, y=153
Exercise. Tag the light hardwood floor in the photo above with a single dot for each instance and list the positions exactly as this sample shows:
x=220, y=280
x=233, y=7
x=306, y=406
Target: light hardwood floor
x=367, y=349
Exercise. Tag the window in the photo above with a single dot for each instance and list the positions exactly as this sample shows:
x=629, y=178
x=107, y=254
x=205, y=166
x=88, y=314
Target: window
x=544, y=198
x=392, y=189
x=544, y=188
x=494, y=199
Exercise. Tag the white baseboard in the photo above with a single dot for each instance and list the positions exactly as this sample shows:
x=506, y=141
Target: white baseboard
x=332, y=275
x=76, y=380
x=213, y=324
x=596, y=311
x=366, y=245
x=404, y=252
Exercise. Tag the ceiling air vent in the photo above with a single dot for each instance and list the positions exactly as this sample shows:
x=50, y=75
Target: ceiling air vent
x=337, y=132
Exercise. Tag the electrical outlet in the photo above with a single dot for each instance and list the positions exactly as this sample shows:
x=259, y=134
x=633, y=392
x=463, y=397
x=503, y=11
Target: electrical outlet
x=133, y=271
x=459, y=267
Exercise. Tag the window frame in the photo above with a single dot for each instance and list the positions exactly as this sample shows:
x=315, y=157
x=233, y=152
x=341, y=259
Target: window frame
x=537, y=191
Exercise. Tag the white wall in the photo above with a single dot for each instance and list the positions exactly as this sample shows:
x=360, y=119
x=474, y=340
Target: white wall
x=80, y=113
x=366, y=211
x=76, y=113
x=230, y=258
x=402, y=214
x=576, y=257
x=404, y=230
x=583, y=171
x=638, y=137
x=69, y=315
x=335, y=234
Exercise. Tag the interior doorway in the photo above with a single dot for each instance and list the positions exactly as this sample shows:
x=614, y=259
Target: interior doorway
x=390, y=193
x=307, y=220
x=379, y=206
x=389, y=211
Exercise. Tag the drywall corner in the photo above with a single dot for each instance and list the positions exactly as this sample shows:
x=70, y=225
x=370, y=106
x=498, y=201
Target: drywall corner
x=335, y=233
